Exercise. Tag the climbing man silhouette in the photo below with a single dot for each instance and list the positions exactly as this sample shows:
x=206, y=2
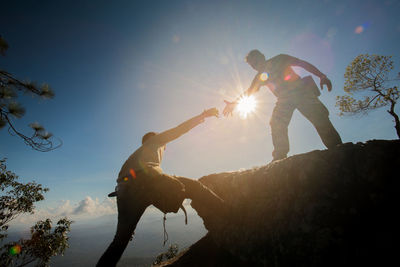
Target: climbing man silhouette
x=293, y=93
x=141, y=182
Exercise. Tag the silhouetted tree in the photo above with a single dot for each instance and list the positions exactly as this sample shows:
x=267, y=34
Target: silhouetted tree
x=368, y=76
x=10, y=88
x=17, y=198
x=169, y=254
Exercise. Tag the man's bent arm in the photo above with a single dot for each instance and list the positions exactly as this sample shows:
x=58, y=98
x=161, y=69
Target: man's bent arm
x=305, y=65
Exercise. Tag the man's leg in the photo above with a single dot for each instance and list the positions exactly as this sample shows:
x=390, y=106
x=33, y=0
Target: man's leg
x=316, y=112
x=208, y=205
x=279, y=123
x=165, y=191
x=199, y=193
x=131, y=206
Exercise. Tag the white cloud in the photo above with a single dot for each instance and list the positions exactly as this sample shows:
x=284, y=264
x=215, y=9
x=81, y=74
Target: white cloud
x=84, y=209
x=87, y=208
x=90, y=206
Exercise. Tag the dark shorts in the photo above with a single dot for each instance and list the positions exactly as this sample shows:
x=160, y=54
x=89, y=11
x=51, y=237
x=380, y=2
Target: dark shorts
x=154, y=187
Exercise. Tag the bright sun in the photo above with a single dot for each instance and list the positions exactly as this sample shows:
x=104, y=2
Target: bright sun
x=246, y=105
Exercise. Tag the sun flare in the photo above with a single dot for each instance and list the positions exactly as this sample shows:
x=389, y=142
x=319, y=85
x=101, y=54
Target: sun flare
x=246, y=105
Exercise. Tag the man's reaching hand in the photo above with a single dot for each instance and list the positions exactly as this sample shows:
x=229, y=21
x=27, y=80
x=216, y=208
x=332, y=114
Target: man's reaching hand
x=229, y=107
x=327, y=82
x=210, y=112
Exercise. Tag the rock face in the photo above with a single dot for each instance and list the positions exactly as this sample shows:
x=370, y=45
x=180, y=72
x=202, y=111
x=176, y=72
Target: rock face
x=334, y=207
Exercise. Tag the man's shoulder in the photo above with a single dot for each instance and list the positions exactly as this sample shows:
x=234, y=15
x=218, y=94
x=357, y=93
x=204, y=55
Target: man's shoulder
x=282, y=60
x=281, y=57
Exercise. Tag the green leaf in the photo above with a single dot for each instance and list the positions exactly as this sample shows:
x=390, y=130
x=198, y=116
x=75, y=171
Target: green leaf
x=36, y=126
x=16, y=109
x=46, y=91
x=7, y=93
x=45, y=135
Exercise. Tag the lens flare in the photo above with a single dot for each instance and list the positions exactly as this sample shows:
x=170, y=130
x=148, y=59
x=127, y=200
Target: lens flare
x=14, y=250
x=246, y=105
x=133, y=174
x=359, y=29
x=264, y=76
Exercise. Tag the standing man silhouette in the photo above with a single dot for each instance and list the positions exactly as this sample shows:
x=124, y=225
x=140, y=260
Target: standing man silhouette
x=293, y=93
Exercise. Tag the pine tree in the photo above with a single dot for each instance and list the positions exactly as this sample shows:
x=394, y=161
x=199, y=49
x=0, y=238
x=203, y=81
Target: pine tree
x=368, y=77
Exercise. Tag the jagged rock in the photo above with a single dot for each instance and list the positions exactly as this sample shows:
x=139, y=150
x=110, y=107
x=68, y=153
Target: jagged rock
x=334, y=207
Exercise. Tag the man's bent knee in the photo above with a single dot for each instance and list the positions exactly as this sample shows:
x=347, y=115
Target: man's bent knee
x=168, y=194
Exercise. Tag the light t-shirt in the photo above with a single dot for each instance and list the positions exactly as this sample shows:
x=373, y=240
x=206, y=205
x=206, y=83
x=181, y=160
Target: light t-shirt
x=150, y=154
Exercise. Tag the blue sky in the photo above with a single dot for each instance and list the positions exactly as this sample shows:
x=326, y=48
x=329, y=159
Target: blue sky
x=122, y=69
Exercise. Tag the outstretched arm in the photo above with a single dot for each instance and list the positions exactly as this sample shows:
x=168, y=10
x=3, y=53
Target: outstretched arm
x=311, y=68
x=172, y=134
x=254, y=87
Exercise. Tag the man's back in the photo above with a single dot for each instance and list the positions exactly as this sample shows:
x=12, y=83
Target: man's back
x=151, y=152
x=148, y=155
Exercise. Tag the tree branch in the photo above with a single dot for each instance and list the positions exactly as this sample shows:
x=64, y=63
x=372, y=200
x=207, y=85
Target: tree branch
x=396, y=118
x=19, y=83
x=26, y=263
x=43, y=146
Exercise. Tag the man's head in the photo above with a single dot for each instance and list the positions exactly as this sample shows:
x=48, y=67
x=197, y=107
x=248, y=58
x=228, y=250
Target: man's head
x=147, y=136
x=256, y=60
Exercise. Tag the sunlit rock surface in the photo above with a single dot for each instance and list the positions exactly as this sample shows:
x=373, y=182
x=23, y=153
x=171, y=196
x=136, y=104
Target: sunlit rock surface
x=336, y=207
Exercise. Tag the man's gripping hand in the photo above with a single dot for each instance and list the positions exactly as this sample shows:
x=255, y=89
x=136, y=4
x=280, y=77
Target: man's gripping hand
x=210, y=112
x=325, y=81
x=229, y=107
